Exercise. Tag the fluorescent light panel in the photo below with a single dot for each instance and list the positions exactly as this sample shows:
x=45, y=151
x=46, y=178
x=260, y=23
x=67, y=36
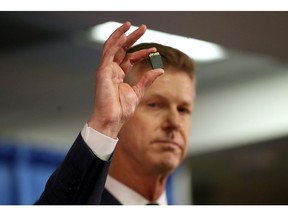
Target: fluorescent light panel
x=199, y=50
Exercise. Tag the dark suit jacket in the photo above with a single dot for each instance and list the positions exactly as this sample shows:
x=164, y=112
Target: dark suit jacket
x=79, y=179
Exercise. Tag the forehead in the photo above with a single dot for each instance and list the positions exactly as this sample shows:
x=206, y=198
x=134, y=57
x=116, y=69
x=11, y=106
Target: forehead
x=177, y=86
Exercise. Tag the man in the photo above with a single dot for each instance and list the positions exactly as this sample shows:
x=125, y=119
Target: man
x=140, y=125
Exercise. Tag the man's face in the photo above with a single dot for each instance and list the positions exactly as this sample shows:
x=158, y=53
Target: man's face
x=156, y=138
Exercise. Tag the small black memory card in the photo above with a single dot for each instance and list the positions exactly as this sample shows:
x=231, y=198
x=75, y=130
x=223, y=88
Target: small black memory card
x=156, y=60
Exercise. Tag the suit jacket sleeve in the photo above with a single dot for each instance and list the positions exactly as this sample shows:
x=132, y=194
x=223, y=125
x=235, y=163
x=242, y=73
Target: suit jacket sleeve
x=79, y=179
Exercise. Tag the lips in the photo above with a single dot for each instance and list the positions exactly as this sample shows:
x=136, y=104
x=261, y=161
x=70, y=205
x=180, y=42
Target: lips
x=164, y=141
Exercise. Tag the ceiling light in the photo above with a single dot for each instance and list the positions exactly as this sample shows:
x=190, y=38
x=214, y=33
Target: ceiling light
x=199, y=50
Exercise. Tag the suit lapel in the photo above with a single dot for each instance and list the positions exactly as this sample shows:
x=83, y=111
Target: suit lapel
x=109, y=199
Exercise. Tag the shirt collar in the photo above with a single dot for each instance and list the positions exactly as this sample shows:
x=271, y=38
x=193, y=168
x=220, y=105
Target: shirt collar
x=127, y=196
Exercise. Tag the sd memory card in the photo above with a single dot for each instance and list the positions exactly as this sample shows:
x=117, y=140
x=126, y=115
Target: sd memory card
x=156, y=60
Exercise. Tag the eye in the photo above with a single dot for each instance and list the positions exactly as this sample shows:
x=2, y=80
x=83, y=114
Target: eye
x=184, y=110
x=152, y=104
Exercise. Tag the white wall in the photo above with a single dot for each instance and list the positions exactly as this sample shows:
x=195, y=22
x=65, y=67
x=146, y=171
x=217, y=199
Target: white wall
x=241, y=113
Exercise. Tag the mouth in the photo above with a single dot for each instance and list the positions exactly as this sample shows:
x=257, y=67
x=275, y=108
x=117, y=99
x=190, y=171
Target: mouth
x=168, y=143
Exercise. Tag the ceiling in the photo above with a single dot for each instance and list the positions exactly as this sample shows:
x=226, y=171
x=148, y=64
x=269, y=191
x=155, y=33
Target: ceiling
x=47, y=69
x=261, y=32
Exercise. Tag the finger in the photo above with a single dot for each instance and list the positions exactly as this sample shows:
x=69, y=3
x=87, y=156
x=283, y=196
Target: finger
x=116, y=35
x=132, y=58
x=115, y=53
x=146, y=81
x=130, y=40
x=114, y=43
x=134, y=36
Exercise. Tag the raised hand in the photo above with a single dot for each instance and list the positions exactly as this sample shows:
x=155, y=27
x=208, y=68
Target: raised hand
x=115, y=101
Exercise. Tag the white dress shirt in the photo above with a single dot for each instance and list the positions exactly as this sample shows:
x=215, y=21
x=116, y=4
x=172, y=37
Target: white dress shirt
x=127, y=196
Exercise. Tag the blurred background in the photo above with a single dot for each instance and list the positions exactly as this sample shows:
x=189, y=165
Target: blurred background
x=238, y=146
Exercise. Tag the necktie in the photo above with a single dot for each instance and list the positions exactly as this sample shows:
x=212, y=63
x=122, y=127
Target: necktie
x=152, y=203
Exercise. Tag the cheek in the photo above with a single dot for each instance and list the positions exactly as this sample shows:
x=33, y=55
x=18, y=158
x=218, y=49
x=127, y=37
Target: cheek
x=188, y=130
x=144, y=127
x=136, y=128
x=186, y=133
x=186, y=125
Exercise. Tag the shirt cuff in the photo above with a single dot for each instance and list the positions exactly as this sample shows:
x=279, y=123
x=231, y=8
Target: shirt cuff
x=101, y=145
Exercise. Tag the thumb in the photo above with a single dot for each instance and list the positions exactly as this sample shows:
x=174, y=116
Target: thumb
x=146, y=81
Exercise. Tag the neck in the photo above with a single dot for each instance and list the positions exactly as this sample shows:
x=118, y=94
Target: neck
x=149, y=185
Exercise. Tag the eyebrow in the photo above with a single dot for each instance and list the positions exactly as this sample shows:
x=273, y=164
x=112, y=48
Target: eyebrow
x=156, y=95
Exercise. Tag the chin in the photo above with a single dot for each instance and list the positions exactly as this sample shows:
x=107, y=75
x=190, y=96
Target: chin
x=166, y=162
x=169, y=165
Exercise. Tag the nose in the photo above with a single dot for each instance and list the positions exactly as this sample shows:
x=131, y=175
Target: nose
x=172, y=120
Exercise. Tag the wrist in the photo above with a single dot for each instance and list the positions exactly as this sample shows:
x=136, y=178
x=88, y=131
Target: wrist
x=107, y=128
